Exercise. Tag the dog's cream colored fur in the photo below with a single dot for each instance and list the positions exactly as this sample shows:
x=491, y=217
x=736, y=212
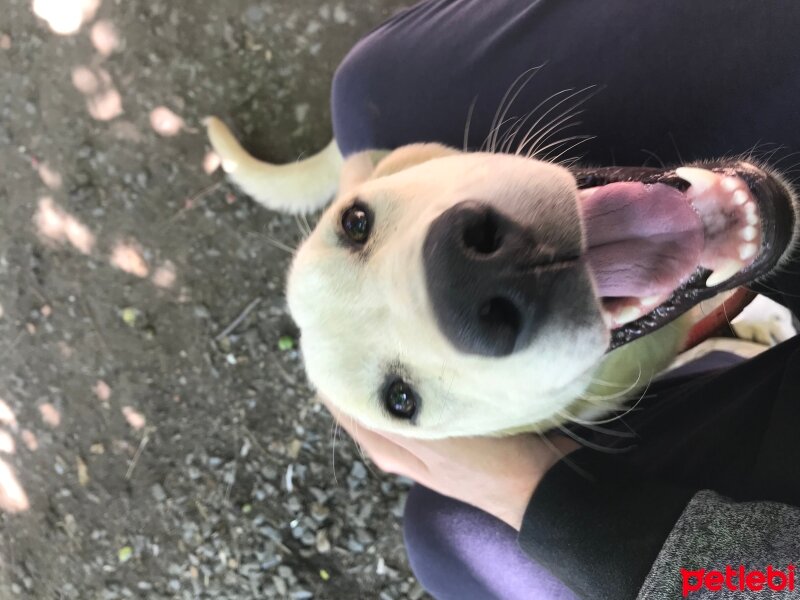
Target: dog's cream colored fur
x=363, y=315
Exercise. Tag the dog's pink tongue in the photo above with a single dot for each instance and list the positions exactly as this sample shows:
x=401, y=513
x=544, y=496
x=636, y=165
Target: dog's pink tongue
x=643, y=239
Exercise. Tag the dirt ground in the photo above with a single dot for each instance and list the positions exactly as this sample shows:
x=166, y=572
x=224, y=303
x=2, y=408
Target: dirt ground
x=147, y=448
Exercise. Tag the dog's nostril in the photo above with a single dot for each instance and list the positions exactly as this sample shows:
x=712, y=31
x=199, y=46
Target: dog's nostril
x=500, y=315
x=483, y=234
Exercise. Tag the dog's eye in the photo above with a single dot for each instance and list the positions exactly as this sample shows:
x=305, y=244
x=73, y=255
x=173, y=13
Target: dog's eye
x=356, y=223
x=400, y=400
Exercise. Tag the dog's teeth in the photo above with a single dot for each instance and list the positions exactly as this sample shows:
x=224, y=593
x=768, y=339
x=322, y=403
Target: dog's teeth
x=740, y=197
x=749, y=233
x=747, y=251
x=650, y=301
x=627, y=314
x=750, y=208
x=701, y=180
x=730, y=184
x=751, y=219
x=728, y=269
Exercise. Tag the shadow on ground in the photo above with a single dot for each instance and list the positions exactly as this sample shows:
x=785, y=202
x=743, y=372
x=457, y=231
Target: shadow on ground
x=145, y=452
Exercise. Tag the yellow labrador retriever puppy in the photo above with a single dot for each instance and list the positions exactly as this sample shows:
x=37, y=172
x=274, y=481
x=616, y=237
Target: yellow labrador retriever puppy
x=445, y=293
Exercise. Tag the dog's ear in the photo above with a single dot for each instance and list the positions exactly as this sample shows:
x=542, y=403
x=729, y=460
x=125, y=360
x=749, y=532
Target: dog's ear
x=373, y=164
x=410, y=156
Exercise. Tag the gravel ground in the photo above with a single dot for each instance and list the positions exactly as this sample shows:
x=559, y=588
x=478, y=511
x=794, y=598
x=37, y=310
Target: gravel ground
x=147, y=449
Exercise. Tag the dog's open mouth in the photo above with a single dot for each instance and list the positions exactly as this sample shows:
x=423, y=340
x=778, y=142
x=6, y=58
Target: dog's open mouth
x=661, y=241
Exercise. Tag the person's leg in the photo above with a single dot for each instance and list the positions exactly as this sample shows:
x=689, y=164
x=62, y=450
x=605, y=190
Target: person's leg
x=458, y=552
x=680, y=80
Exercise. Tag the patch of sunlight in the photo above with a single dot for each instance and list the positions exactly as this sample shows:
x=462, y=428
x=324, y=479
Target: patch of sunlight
x=165, y=122
x=211, y=162
x=84, y=80
x=102, y=390
x=165, y=275
x=30, y=440
x=105, y=37
x=105, y=105
x=103, y=101
x=128, y=257
x=134, y=418
x=65, y=17
x=49, y=177
x=13, y=498
x=7, y=445
x=7, y=416
x=55, y=224
x=50, y=414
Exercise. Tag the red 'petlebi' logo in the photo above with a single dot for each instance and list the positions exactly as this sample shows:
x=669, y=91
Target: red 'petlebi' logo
x=738, y=580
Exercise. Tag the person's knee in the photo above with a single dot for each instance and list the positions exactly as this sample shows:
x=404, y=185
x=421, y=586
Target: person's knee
x=359, y=86
x=425, y=535
x=434, y=529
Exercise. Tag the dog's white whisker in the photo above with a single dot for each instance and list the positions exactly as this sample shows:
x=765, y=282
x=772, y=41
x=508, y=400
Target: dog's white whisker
x=615, y=396
x=509, y=96
x=570, y=149
x=594, y=426
x=303, y=228
x=552, y=146
x=469, y=123
x=334, y=434
x=631, y=408
x=533, y=140
x=534, y=133
x=359, y=448
x=564, y=458
x=562, y=124
x=654, y=155
x=581, y=139
x=533, y=111
x=308, y=225
x=511, y=136
x=280, y=245
x=587, y=443
x=537, y=149
x=535, y=130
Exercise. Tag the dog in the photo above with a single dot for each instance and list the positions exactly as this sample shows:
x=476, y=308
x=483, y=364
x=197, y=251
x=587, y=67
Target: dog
x=446, y=293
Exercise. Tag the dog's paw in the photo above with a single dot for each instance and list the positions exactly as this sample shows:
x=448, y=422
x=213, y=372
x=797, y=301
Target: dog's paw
x=768, y=333
x=764, y=322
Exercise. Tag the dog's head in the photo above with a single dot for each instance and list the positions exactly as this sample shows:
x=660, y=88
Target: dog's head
x=455, y=293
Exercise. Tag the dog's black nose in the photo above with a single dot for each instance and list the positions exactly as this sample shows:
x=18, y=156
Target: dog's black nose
x=488, y=279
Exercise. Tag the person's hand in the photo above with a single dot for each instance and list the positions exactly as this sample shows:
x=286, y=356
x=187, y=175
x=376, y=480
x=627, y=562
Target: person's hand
x=495, y=474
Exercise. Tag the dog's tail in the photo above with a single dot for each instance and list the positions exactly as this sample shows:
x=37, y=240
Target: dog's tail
x=298, y=187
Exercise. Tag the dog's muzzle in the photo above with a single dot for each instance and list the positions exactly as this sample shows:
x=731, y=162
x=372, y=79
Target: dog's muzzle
x=489, y=280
